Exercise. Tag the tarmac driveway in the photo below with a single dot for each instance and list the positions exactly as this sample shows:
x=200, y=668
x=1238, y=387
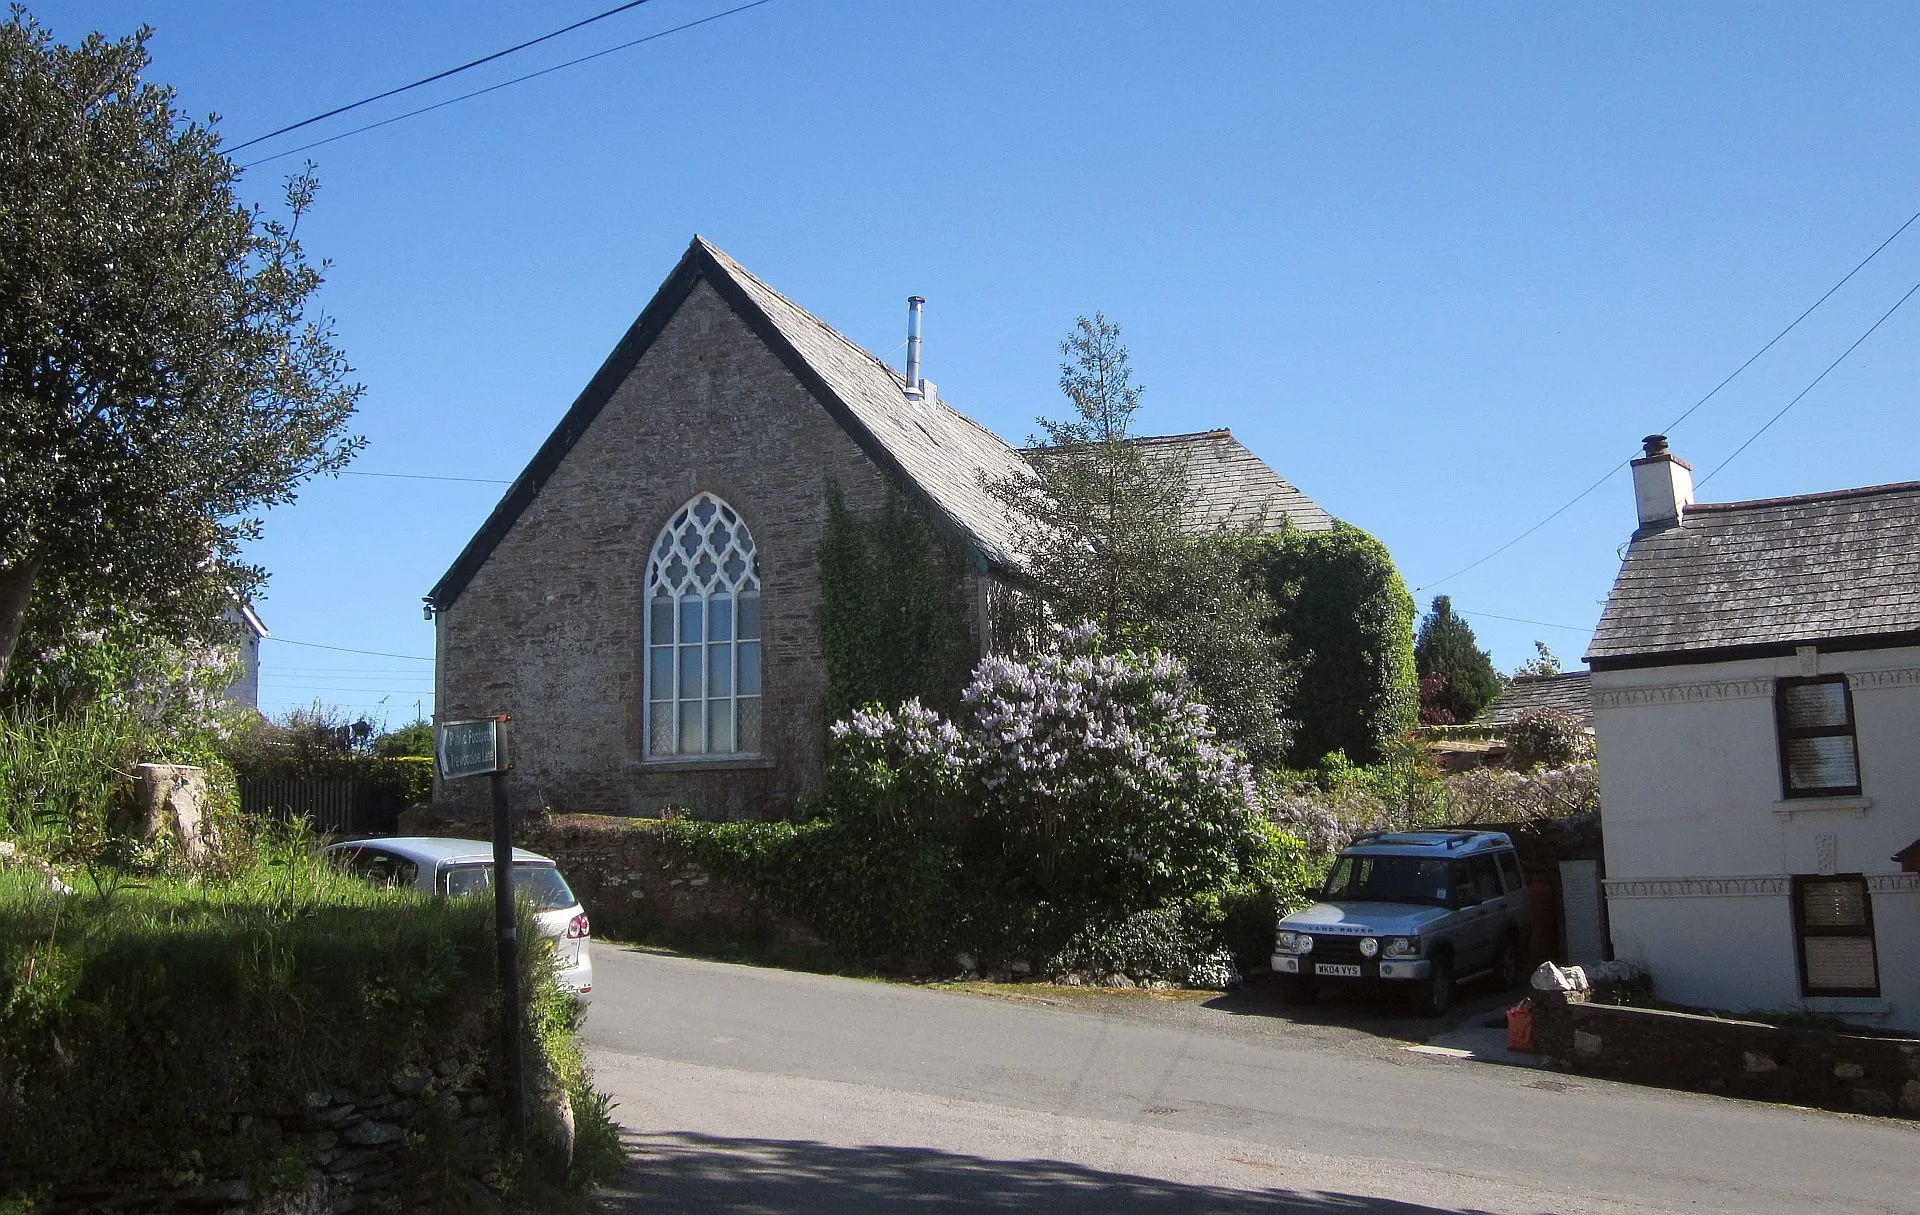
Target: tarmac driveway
x=752, y=1090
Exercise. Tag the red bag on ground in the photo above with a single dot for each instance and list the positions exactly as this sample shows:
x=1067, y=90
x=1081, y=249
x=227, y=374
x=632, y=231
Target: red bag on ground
x=1520, y=1027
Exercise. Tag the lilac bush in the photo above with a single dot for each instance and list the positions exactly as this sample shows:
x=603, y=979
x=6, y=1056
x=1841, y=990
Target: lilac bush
x=1101, y=778
x=897, y=767
x=1076, y=791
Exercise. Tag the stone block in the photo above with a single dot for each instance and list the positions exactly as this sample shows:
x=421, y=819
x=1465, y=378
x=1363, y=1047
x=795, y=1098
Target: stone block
x=1848, y=1071
x=1587, y=1045
x=372, y=1134
x=1870, y=1100
x=1754, y=1061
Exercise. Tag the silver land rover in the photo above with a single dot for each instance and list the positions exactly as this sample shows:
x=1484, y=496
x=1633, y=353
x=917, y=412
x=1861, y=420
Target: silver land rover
x=1422, y=909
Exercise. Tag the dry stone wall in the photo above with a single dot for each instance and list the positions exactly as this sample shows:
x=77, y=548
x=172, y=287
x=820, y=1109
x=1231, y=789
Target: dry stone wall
x=337, y=1151
x=1752, y=1059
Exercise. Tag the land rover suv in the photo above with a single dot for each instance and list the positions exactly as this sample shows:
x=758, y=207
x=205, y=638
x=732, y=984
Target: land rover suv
x=1423, y=910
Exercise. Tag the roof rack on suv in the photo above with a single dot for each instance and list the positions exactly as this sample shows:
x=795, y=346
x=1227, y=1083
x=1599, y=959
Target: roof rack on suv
x=1455, y=836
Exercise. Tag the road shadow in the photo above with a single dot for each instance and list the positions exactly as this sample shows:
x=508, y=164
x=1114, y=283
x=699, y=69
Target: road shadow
x=714, y=1175
x=1382, y=1013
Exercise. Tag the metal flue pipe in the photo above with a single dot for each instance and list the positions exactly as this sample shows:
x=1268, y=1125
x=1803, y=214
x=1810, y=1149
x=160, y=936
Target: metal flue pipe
x=914, y=305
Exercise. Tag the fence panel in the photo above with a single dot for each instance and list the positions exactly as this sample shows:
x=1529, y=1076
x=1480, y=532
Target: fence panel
x=334, y=806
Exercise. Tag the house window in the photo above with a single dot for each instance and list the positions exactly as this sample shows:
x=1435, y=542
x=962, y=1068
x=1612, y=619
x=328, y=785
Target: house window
x=1833, y=919
x=703, y=634
x=1817, y=754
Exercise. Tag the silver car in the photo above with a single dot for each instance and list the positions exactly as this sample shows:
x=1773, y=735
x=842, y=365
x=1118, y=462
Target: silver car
x=1420, y=910
x=452, y=867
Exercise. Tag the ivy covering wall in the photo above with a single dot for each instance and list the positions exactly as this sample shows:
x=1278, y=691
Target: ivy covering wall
x=893, y=608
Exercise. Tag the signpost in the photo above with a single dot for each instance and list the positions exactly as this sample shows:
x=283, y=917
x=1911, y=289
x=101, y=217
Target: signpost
x=479, y=748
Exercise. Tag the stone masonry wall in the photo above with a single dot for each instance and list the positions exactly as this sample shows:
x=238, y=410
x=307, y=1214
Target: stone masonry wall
x=634, y=885
x=550, y=629
x=1750, y=1059
x=351, y=1145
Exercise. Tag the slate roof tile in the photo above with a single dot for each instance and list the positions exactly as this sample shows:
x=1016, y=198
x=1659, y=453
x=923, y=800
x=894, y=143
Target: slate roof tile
x=942, y=450
x=1233, y=487
x=1777, y=571
x=1569, y=691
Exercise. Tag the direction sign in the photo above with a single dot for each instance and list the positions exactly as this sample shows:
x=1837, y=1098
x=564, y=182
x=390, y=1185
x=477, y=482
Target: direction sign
x=473, y=748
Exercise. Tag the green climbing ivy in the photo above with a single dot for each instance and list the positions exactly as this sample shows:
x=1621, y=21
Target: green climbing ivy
x=893, y=608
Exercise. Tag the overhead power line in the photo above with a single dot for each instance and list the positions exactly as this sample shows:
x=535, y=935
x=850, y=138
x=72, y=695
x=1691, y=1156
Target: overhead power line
x=425, y=477
x=452, y=71
x=314, y=645
x=504, y=84
x=1545, y=624
x=1689, y=411
x=1810, y=387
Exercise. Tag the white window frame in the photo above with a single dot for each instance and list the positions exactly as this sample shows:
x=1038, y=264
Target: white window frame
x=701, y=691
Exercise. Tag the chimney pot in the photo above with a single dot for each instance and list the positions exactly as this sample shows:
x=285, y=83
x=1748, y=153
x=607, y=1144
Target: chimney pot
x=1656, y=445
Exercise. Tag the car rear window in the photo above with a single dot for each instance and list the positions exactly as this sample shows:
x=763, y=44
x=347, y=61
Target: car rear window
x=541, y=885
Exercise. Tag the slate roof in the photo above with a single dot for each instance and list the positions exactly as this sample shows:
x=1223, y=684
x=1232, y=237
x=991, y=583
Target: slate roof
x=939, y=449
x=932, y=450
x=1233, y=487
x=1738, y=579
x=1569, y=691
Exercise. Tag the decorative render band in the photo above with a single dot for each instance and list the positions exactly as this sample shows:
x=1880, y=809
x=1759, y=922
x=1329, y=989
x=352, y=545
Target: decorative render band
x=1698, y=887
x=1906, y=677
x=1684, y=693
x=1771, y=884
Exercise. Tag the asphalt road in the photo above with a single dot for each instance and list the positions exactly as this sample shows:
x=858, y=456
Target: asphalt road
x=751, y=1090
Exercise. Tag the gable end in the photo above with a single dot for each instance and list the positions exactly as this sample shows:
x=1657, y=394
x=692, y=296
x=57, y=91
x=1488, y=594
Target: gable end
x=697, y=265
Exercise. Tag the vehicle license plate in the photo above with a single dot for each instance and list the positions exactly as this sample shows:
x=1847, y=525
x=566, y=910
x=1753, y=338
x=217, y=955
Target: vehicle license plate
x=1337, y=969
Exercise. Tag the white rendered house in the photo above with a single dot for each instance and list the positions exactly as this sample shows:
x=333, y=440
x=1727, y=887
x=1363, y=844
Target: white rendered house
x=245, y=689
x=1756, y=686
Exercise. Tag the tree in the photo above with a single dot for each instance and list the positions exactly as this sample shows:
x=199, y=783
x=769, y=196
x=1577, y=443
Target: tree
x=1348, y=621
x=1543, y=662
x=1102, y=529
x=162, y=380
x=1446, y=649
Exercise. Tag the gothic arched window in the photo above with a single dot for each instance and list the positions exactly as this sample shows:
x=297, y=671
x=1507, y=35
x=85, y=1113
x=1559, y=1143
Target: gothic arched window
x=703, y=634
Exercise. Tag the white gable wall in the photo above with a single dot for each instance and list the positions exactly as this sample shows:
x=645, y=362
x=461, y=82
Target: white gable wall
x=1701, y=845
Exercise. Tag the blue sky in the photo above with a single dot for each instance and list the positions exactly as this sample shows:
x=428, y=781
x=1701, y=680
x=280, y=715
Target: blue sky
x=1441, y=267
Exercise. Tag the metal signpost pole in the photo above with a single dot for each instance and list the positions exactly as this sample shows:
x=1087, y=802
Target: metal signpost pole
x=507, y=932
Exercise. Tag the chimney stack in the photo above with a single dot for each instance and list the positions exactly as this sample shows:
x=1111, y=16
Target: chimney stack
x=916, y=387
x=1662, y=486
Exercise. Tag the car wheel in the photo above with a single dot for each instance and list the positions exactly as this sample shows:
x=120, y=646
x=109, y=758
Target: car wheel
x=1506, y=965
x=1297, y=990
x=1434, y=996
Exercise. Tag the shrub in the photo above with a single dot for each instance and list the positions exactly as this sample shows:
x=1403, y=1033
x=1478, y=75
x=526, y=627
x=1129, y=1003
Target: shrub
x=1080, y=797
x=1101, y=787
x=1348, y=619
x=135, y=1023
x=1546, y=736
x=415, y=739
x=1496, y=795
x=318, y=743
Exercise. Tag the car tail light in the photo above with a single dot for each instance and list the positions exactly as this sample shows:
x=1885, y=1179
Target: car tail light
x=577, y=927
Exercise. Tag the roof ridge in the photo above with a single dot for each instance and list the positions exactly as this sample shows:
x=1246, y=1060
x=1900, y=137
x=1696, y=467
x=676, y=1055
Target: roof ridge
x=1215, y=433
x=733, y=265
x=1829, y=495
